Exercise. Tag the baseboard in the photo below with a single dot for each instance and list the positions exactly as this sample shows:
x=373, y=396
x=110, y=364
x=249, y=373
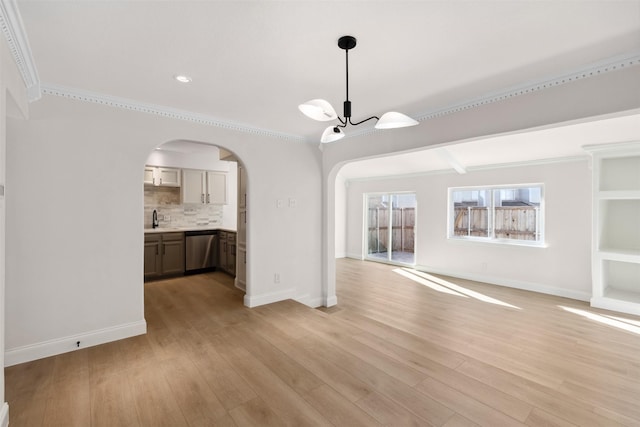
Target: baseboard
x=354, y=256
x=331, y=301
x=308, y=301
x=616, y=305
x=255, y=301
x=4, y=415
x=341, y=255
x=240, y=285
x=63, y=345
x=517, y=284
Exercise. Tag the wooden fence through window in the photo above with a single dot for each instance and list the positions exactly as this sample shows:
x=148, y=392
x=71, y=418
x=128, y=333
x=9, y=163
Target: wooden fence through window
x=511, y=222
x=402, y=231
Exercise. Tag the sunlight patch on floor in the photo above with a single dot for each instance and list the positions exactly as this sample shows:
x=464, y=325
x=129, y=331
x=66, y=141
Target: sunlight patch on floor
x=408, y=274
x=617, y=322
x=439, y=285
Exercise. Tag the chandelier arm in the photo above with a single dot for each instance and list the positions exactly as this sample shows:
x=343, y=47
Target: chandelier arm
x=362, y=121
x=344, y=122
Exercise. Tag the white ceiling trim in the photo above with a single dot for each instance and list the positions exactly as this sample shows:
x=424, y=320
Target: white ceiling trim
x=450, y=158
x=521, y=164
x=159, y=110
x=596, y=69
x=591, y=70
x=13, y=30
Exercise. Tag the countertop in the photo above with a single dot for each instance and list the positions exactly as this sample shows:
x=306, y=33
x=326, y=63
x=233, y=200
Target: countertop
x=183, y=229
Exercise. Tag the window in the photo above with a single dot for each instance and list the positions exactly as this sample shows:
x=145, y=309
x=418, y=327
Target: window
x=512, y=214
x=390, y=227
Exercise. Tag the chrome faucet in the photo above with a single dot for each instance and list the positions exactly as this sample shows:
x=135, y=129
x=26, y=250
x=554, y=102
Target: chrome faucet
x=155, y=219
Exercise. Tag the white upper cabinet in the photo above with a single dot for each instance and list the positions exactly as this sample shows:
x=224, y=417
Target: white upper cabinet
x=169, y=177
x=193, y=186
x=160, y=176
x=149, y=175
x=204, y=187
x=217, y=188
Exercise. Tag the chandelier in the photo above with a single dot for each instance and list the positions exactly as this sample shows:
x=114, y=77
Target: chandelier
x=321, y=110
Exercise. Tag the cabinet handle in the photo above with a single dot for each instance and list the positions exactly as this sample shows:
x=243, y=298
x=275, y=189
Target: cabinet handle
x=202, y=198
x=208, y=198
x=160, y=181
x=153, y=181
x=157, y=249
x=245, y=257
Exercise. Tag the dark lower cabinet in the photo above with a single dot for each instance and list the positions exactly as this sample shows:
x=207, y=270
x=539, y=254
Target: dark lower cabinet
x=163, y=255
x=227, y=252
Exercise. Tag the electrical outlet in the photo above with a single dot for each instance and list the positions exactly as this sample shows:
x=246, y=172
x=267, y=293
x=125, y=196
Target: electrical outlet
x=276, y=277
x=279, y=203
x=293, y=202
x=167, y=217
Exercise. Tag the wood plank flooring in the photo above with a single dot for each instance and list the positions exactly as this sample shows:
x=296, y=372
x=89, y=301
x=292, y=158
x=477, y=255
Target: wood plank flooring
x=401, y=349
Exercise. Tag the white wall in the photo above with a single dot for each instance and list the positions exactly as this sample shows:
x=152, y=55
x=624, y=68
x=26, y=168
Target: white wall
x=75, y=264
x=562, y=267
x=581, y=100
x=13, y=101
x=341, y=216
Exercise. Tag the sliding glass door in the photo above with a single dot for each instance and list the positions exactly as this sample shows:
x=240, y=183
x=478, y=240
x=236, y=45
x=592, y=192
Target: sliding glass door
x=390, y=227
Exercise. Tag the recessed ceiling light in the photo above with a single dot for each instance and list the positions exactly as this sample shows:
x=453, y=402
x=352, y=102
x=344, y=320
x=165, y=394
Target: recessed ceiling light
x=182, y=78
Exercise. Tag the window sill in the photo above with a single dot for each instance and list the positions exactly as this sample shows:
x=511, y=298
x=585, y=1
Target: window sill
x=498, y=242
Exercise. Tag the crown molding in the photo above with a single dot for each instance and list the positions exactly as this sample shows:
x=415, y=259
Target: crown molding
x=13, y=29
x=159, y=110
x=18, y=43
x=592, y=70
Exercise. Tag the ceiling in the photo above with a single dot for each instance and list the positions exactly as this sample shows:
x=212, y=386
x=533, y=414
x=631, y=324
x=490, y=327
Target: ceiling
x=253, y=62
x=563, y=142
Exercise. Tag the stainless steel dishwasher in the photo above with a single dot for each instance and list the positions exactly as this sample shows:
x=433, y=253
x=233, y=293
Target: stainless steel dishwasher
x=200, y=251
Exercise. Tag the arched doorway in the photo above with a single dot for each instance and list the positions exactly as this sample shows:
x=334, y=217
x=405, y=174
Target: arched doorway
x=195, y=211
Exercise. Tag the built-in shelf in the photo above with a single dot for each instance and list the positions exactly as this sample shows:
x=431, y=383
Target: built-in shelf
x=620, y=173
x=622, y=295
x=623, y=302
x=619, y=195
x=616, y=227
x=624, y=255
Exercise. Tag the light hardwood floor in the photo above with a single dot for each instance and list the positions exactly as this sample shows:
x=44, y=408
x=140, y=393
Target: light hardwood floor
x=400, y=349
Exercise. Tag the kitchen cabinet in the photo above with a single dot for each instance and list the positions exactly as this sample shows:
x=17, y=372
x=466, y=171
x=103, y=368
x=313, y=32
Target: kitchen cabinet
x=163, y=255
x=203, y=187
x=242, y=187
x=241, y=244
x=241, y=269
x=227, y=252
x=615, y=255
x=161, y=176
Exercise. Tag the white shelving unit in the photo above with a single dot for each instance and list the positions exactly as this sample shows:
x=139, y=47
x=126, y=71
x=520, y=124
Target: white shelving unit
x=616, y=227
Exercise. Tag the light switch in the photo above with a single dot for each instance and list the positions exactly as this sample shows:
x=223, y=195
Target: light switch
x=279, y=203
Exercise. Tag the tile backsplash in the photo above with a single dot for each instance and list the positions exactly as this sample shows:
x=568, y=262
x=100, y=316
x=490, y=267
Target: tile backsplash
x=171, y=213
